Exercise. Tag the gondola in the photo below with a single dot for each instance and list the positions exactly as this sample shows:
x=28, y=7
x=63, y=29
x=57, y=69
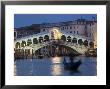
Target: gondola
x=72, y=66
x=40, y=56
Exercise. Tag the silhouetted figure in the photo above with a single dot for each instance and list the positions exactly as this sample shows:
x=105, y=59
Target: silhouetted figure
x=71, y=65
x=71, y=57
x=64, y=61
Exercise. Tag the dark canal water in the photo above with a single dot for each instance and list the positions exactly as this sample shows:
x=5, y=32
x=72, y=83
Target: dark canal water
x=54, y=67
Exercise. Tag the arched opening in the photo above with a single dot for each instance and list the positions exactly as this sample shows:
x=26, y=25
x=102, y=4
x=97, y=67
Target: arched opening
x=46, y=38
x=29, y=42
x=23, y=44
x=40, y=39
x=80, y=42
x=74, y=40
x=91, y=44
x=68, y=39
x=18, y=45
x=63, y=37
x=53, y=50
x=85, y=43
x=35, y=41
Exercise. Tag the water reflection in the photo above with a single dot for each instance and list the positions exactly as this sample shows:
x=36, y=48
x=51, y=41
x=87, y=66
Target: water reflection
x=31, y=67
x=56, y=60
x=56, y=66
x=15, y=69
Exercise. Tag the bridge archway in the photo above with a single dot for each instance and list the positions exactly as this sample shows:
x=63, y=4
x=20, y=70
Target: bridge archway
x=56, y=50
x=69, y=39
x=46, y=38
x=35, y=41
x=17, y=45
x=29, y=42
x=85, y=43
x=23, y=44
x=80, y=42
x=74, y=40
x=63, y=37
x=40, y=39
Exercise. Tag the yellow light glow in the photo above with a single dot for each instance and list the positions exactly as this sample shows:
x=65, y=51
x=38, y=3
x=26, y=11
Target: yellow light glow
x=56, y=67
x=56, y=33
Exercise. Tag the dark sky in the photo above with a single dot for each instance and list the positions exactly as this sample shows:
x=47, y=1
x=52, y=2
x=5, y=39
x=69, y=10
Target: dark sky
x=21, y=20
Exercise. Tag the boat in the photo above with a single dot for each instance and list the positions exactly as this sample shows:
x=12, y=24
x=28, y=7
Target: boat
x=40, y=56
x=91, y=53
x=72, y=66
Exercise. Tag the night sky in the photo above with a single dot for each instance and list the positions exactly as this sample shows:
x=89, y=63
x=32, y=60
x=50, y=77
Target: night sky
x=21, y=20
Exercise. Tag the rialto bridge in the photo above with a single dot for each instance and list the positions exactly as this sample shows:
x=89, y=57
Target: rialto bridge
x=79, y=44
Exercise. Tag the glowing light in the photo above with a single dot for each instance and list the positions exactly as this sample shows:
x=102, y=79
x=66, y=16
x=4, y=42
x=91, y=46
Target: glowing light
x=56, y=70
x=56, y=67
x=56, y=60
x=56, y=34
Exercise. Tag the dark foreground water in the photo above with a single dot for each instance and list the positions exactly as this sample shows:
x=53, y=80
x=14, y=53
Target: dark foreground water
x=54, y=67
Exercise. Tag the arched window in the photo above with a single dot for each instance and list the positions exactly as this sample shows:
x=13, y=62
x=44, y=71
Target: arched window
x=67, y=27
x=70, y=27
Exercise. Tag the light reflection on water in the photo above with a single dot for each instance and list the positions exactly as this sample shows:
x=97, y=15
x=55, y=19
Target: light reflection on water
x=54, y=67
